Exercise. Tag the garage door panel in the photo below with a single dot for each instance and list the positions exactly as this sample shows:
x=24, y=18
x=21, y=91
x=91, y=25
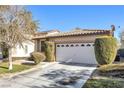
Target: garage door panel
x=76, y=53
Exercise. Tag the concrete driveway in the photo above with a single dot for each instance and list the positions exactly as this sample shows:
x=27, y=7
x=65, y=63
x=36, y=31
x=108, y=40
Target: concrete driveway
x=56, y=75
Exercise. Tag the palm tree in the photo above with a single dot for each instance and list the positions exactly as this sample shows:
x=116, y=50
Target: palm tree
x=16, y=26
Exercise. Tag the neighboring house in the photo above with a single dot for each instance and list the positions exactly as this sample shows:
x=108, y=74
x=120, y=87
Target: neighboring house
x=19, y=51
x=28, y=47
x=25, y=50
x=75, y=46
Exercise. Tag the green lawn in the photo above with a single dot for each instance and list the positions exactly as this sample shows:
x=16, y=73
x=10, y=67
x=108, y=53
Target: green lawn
x=16, y=68
x=107, y=76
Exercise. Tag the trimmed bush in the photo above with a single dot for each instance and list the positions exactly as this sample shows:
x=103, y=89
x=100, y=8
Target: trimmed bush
x=37, y=57
x=49, y=51
x=105, y=50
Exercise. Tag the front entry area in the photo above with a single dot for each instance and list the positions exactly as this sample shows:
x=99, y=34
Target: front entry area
x=76, y=52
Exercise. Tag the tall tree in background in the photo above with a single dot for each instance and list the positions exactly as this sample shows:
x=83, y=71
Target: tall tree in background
x=16, y=25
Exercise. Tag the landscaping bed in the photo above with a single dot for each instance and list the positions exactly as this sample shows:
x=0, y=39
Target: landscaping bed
x=107, y=76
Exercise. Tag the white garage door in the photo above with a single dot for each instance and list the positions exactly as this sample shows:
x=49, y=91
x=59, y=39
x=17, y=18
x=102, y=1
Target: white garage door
x=76, y=52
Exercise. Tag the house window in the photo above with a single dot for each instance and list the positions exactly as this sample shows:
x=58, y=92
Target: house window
x=58, y=45
x=82, y=45
x=72, y=45
x=77, y=45
x=62, y=45
x=88, y=45
x=26, y=49
x=67, y=45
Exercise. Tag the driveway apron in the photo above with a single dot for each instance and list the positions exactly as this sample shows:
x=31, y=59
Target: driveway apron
x=57, y=75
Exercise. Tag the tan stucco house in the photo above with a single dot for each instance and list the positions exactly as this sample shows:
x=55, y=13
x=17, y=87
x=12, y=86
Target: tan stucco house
x=75, y=46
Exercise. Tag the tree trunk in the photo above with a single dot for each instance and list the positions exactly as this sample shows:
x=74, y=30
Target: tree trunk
x=10, y=59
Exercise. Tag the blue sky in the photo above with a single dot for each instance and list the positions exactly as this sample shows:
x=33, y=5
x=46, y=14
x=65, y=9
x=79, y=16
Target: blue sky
x=66, y=18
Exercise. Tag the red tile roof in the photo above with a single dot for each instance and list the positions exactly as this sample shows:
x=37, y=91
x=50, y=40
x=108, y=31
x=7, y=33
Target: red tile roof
x=75, y=33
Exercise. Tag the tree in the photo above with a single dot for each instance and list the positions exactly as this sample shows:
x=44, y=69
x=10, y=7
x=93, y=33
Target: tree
x=16, y=26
